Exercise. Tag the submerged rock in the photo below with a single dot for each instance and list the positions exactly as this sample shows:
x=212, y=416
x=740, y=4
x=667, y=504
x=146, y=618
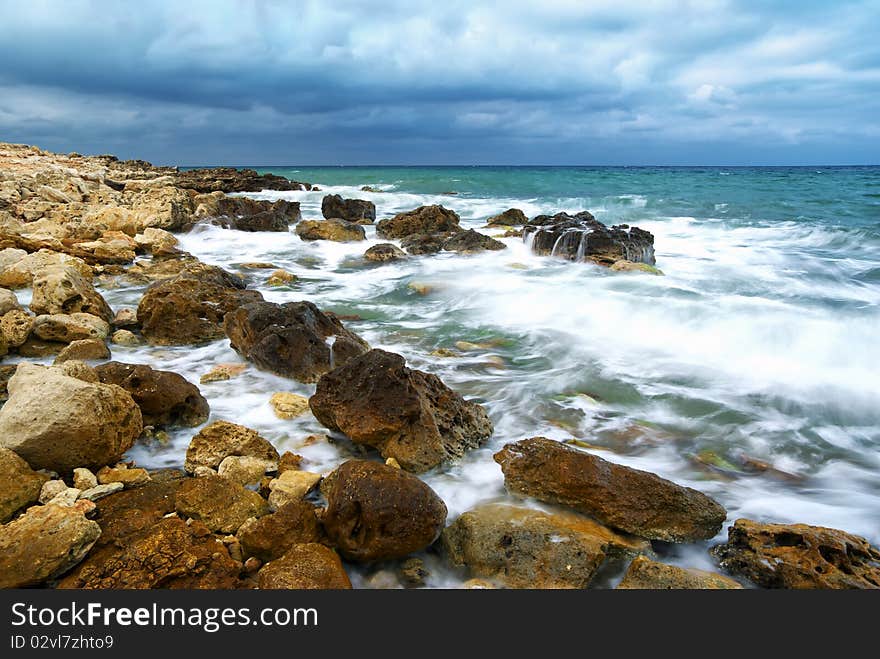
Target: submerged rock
x=166, y=399
x=470, y=242
x=58, y=422
x=384, y=252
x=799, y=556
x=629, y=266
x=408, y=415
x=525, y=548
x=336, y=230
x=359, y=211
x=375, y=512
x=295, y=340
x=222, y=439
x=581, y=237
x=645, y=574
x=635, y=501
x=510, y=218
x=19, y=484
x=305, y=566
x=422, y=220
x=420, y=244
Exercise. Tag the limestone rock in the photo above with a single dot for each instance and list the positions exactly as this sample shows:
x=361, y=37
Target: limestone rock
x=422, y=220
x=122, y=474
x=84, y=479
x=336, y=230
x=291, y=485
x=221, y=439
x=359, y=211
x=270, y=536
x=288, y=405
x=68, y=328
x=305, y=566
x=510, y=218
x=16, y=327
x=8, y=301
x=220, y=504
x=62, y=289
x=384, y=252
x=19, y=484
x=645, y=574
x=245, y=470
x=83, y=350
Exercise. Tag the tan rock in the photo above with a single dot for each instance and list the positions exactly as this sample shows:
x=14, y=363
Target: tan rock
x=19, y=484
x=84, y=350
x=18, y=268
x=288, y=405
x=281, y=278
x=101, y=491
x=245, y=470
x=223, y=372
x=67, y=328
x=16, y=327
x=157, y=242
x=221, y=439
x=62, y=289
x=291, y=486
x=8, y=301
x=645, y=574
x=51, y=489
x=335, y=229
x=122, y=474
x=84, y=479
x=124, y=337
x=76, y=369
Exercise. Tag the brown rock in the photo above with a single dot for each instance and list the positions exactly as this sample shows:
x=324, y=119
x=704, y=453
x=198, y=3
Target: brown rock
x=305, y=566
x=281, y=278
x=8, y=301
x=125, y=338
x=406, y=414
x=422, y=220
x=635, y=501
x=295, y=339
x=163, y=269
x=799, y=556
x=19, y=484
x=270, y=536
x=335, y=229
x=84, y=350
x=525, y=548
x=122, y=474
x=360, y=211
x=375, y=512
x=76, y=369
x=645, y=574
x=385, y=252
x=166, y=399
x=510, y=218
x=471, y=242
x=221, y=439
x=247, y=214
x=230, y=179
x=6, y=372
x=220, y=504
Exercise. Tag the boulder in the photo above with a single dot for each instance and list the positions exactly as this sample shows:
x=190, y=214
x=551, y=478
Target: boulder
x=645, y=574
x=270, y=536
x=470, y=242
x=67, y=328
x=631, y=500
x=581, y=237
x=359, y=211
x=798, y=556
x=76, y=369
x=305, y=566
x=247, y=214
x=220, y=504
x=20, y=485
x=157, y=242
x=525, y=548
x=294, y=340
x=125, y=338
x=422, y=220
x=384, y=252
x=159, y=269
x=188, y=310
x=16, y=327
x=59, y=422
x=512, y=217
x=408, y=415
x=44, y=543
x=166, y=399
x=221, y=439
x=337, y=230
x=83, y=350
x=421, y=244
x=62, y=289
x=375, y=512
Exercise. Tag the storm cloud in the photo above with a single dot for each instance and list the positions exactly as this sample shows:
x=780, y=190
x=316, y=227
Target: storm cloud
x=413, y=82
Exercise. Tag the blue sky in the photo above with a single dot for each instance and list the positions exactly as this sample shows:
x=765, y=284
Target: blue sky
x=427, y=82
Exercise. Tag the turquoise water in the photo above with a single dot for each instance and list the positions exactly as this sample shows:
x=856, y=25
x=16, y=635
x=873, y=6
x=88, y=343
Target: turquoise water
x=748, y=371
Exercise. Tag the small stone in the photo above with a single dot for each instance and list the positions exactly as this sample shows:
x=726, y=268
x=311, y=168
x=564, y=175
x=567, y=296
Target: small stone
x=223, y=372
x=413, y=572
x=257, y=265
x=305, y=566
x=289, y=461
x=84, y=350
x=101, y=491
x=51, y=489
x=122, y=474
x=281, y=278
x=67, y=497
x=291, y=486
x=288, y=405
x=125, y=318
x=84, y=479
x=391, y=462
x=245, y=470
x=252, y=564
x=124, y=337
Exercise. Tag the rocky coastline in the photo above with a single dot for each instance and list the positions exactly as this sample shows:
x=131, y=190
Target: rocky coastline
x=75, y=512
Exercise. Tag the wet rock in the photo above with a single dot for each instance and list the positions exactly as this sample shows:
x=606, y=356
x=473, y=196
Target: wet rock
x=375, y=512
x=384, y=252
x=421, y=244
x=15, y=327
x=84, y=479
x=8, y=301
x=635, y=501
x=629, y=266
x=413, y=572
x=359, y=211
x=244, y=469
x=186, y=310
x=270, y=536
x=582, y=238
x=128, y=477
x=230, y=179
x=422, y=220
x=58, y=422
x=288, y=405
x=295, y=340
x=166, y=399
x=221, y=439
x=62, y=289
x=83, y=350
x=157, y=242
x=645, y=574
x=223, y=372
x=335, y=229
x=163, y=269
x=525, y=548
x=19, y=484
x=799, y=556
x=43, y=544
x=220, y=504
x=291, y=485
x=281, y=278
x=67, y=328
x=405, y=414
x=125, y=338
x=245, y=214
x=289, y=461
x=510, y=218
x=35, y=348
x=470, y=242
x=101, y=491
x=305, y=566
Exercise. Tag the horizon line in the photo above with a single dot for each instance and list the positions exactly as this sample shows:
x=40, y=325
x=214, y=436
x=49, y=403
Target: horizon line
x=291, y=166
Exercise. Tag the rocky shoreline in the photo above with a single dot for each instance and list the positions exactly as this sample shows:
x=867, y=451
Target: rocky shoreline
x=237, y=514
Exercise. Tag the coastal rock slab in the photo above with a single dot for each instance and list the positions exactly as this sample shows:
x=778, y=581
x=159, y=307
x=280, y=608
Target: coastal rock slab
x=19, y=484
x=270, y=536
x=375, y=512
x=638, y=502
x=18, y=268
x=159, y=269
x=359, y=211
x=799, y=556
x=525, y=548
x=230, y=179
x=166, y=399
x=295, y=340
x=222, y=439
x=422, y=220
x=645, y=574
x=337, y=230
x=62, y=289
x=220, y=504
x=408, y=415
x=58, y=422
x=305, y=566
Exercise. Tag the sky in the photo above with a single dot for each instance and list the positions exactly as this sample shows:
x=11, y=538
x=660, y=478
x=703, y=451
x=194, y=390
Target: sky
x=555, y=82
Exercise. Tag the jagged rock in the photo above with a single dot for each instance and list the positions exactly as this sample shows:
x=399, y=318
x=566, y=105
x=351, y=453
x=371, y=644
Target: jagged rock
x=799, y=556
x=270, y=536
x=128, y=477
x=635, y=501
x=76, y=369
x=470, y=242
x=295, y=339
x=161, y=269
x=525, y=548
x=289, y=405
x=375, y=512
x=420, y=244
x=17, y=267
x=84, y=479
x=384, y=252
x=230, y=179
x=244, y=469
x=157, y=242
x=83, y=350
x=101, y=491
x=406, y=414
x=68, y=328
x=305, y=566
x=220, y=504
x=166, y=399
x=337, y=230
x=6, y=372
x=220, y=440
x=52, y=489
x=61, y=289
x=422, y=220
x=510, y=218
x=58, y=422
x=187, y=310
x=645, y=574
x=8, y=301
x=582, y=238
x=15, y=327
x=359, y=211
x=19, y=484
x=246, y=214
